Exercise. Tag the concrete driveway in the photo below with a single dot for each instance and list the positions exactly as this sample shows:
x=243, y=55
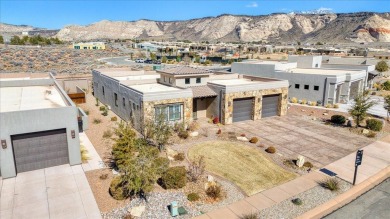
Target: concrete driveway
x=293, y=135
x=55, y=192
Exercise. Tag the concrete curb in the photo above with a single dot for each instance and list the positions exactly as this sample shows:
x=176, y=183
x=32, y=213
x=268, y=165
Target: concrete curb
x=345, y=198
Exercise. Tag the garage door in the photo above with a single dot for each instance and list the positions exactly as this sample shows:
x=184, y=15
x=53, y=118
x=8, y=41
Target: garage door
x=242, y=109
x=39, y=150
x=270, y=106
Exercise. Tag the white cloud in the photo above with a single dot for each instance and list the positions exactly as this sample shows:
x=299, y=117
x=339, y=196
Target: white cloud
x=252, y=5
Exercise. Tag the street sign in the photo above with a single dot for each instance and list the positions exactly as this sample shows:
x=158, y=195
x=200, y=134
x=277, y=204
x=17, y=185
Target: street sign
x=358, y=162
x=359, y=158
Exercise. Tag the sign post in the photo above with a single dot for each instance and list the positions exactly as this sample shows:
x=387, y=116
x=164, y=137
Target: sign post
x=358, y=162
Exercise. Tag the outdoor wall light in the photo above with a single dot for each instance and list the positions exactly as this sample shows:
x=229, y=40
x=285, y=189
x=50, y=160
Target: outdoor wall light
x=4, y=144
x=73, y=133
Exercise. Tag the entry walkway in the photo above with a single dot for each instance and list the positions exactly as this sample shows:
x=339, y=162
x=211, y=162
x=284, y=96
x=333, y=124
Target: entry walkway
x=376, y=157
x=56, y=192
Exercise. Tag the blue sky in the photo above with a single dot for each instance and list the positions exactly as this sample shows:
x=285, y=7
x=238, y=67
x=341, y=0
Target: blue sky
x=58, y=13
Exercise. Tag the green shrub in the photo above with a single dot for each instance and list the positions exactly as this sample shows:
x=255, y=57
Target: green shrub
x=308, y=164
x=86, y=112
x=250, y=216
x=338, y=119
x=297, y=201
x=271, y=150
x=105, y=112
x=161, y=164
x=183, y=134
x=192, y=197
x=114, y=118
x=174, y=178
x=116, y=189
x=179, y=156
x=330, y=183
x=254, y=140
x=103, y=176
x=102, y=108
x=107, y=134
x=214, y=192
x=97, y=121
x=374, y=124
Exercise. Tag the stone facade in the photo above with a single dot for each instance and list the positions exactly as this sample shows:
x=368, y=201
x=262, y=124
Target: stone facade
x=148, y=108
x=227, y=101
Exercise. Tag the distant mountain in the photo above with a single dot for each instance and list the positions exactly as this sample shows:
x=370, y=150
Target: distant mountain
x=311, y=26
x=9, y=28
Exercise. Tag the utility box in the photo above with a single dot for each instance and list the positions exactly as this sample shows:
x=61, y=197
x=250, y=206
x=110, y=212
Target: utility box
x=174, y=209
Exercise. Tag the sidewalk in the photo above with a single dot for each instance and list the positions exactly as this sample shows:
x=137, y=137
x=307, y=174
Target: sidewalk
x=376, y=157
x=94, y=162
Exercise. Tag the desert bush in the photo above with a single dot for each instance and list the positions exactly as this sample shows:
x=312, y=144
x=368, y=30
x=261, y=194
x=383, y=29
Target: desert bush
x=196, y=168
x=294, y=100
x=308, y=164
x=304, y=102
x=336, y=106
x=219, y=131
x=114, y=118
x=330, y=183
x=371, y=134
x=97, y=101
x=105, y=112
x=161, y=164
x=192, y=197
x=313, y=103
x=102, y=108
x=254, y=140
x=97, y=121
x=193, y=126
x=183, y=134
x=374, y=124
x=179, y=156
x=107, y=134
x=103, y=176
x=128, y=216
x=271, y=150
x=84, y=154
x=214, y=191
x=297, y=201
x=86, y=112
x=174, y=178
x=328, y=105
x=243, y=135
x=373, y=93
x=338, y=119
x=250, y=216
x=116, y=189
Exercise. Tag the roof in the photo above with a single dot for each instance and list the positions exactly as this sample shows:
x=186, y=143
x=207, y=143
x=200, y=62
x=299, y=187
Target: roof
x=185, y=70
x=153, y=87
x=375, y=72
x=322, y=71
x=29, y=97
x=203, y=91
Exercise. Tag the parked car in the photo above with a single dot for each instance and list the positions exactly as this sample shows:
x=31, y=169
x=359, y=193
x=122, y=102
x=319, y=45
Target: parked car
x=157, y=62
x=148, y=61
x=139, y=61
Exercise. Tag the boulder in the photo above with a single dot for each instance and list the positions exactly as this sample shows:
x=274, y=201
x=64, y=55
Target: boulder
x=366, y=131
x=240, y=138
x=325, y=114
x=137, y=211
x=114, y=172
x=194, y=134
x=210, y=178
x=300, y=161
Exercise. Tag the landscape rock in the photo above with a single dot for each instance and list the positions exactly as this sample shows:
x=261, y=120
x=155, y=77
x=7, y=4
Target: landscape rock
x=325, y=114
x=114, y=172
x=242, y=138
x=194, y=134
x=300, y=161
x=366, y=131
x=210, y=178
x=137, y=211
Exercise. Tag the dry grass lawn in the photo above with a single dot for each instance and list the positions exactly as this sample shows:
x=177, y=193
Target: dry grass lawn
x=246, y=166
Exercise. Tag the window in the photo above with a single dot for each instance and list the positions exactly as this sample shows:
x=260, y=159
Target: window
x=316, y=65
x=165, y=79
x=170, y=80
x=137, y=107
x=316, y=87
x=103, y=90
x=131, y=110
x=116, y=99
x=133, y=106
x=306, y=87
x=171, y=112
x=297, y=86
x=123, y=101
x=198, y=80
x=187, y=81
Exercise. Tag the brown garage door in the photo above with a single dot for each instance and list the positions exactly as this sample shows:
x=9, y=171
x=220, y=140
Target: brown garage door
x=242, y=109
x=39, y=150
x=270, y=106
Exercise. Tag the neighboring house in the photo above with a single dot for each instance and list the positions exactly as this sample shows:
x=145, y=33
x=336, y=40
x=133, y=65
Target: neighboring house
x=185, y=93
x=307, y=79
x=39, y=125
x=89, y=45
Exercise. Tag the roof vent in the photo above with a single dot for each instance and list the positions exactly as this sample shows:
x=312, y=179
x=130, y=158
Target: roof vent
x=48, y=91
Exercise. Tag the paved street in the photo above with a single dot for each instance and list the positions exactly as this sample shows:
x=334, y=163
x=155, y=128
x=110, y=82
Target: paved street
x=373, y=204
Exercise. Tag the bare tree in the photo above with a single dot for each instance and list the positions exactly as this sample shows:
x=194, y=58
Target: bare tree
x=196, y=168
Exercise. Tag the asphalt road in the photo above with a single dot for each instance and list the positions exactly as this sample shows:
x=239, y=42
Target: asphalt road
x=375, y=204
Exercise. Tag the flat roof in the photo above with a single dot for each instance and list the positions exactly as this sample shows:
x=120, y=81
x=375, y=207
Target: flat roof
x=322, y=71
x=137, y=77
x=261, y=62
x=238, y=81
x=29, y=98
x=153, y=87
x=123, y=72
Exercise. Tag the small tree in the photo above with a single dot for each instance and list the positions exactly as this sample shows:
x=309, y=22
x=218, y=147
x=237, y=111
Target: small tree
x=387, y=105
x=164, y=59
x=196, y=168
x=382, y=66
x=1, y=39
x=359, y=110
x=162, y=131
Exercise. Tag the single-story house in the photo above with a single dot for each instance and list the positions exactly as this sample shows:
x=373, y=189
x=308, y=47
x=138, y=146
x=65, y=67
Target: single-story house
x=186, y=93
x=39, y=125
